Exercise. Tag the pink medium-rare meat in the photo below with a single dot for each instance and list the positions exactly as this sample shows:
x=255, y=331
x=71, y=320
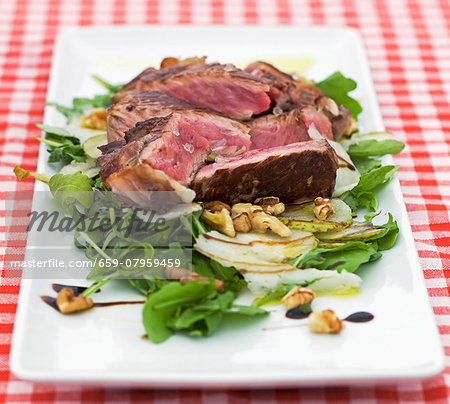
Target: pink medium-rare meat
x=311, y=116
x=287, y=93
x=288, y=127
x=277, y=130
x=298, y=171
x=178, y=144
x=142, y=105
x=222, y=88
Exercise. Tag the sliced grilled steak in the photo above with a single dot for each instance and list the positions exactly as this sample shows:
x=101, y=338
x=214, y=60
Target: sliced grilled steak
x=277, y=130
x=222, y=88
x=287, y=93
x=178, y=144
x=311, y=116
x=288, y=127
x=342, y=123
x=298, y=171
x=142, y=105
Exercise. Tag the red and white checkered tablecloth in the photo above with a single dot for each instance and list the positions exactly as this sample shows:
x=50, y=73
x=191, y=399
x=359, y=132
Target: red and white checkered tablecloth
x=408, y=44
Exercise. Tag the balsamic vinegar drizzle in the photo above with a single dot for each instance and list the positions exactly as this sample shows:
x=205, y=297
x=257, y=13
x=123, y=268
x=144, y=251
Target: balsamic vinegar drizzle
x=345, y=164
x=76, y=289
x=51, y=301
x=107, y=304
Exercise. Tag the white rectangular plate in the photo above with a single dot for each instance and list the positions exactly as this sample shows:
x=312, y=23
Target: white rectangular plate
x=103, y=346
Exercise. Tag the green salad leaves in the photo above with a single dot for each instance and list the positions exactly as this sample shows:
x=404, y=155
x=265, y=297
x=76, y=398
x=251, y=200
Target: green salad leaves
x=352, y=254
x=337, y=87
x=195, y=308
x=62, y=146
x=362, y=194
x=366, y=148
x=81, y=104
x=71, y=188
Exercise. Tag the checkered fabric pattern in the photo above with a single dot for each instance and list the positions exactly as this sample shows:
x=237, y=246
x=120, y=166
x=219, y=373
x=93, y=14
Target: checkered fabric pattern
x=409, y=53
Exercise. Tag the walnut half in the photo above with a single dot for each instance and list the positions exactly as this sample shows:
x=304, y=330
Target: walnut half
x=219, y=220
x=271, y=205
x=297, y=296
x=261, y=220
x=67, y=302
x=322, y=208
x=325, y=322
x=242, y=223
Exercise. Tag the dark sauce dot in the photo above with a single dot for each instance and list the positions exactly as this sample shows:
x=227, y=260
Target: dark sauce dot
x=360, y=317
x=51, y=301
x=299, y=312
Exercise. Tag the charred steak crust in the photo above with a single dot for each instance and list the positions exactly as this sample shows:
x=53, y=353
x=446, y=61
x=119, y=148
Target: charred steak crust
x=298, y=171
x=147, y=128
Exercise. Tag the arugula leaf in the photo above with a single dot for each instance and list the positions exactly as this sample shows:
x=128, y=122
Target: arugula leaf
x=361, y=194
x=247, y=310
x=387, y=238
x=71, y=188
x=365, y=164
x=112, y=88
x=161, y=322
x=348, y=256
x=205, y=266
x=146, y=286
x=337, y=87
x=62, y=146
x=373, y=147
x=195, y=308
